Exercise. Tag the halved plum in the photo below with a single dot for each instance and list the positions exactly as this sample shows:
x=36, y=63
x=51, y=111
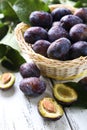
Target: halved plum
x=64, y=94
x=6, y=80
x=50, y=109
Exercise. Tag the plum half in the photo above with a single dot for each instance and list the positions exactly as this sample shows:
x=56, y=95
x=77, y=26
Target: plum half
x=64, y=94
x=6, y=80
x=50, y=109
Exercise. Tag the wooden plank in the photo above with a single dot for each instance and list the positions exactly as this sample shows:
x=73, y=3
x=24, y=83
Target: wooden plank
x=77, y=118
x=18, y=112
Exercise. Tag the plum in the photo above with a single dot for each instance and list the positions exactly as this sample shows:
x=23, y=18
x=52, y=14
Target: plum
x=32, y=86
x=82, y=13
x=78, y=32
x=29, y=70
x=59, y=49
x=69, y=21
x=57, y=32
x=41, y=47
x=41, y=18
x=50, y=109
x=33, y=34
x=58, y=13
x=6, y=80
x=78, y=49
x=64, y=94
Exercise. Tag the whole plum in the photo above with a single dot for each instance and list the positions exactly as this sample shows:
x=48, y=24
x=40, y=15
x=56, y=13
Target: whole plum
x=59, y=49
x=57, y=32
x=29, y=70
x=33, y=34
x=78, y=49
x=70, y=20
x=78, y=32
x=32, y=86
x=82, y=13
x=41, y=47
x=58, y=13
x=41, y=18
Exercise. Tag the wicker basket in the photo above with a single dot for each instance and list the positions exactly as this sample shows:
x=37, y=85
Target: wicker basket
x=63, y=71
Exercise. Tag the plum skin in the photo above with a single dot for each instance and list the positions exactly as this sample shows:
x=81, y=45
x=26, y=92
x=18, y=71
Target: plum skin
x=32, y=34
x=29, y=70
x=59, y=49
x=82, y=13
x=32, y=86
x=78, y=49
x=41, y=18
x=55, y=33
x=41, y=47
x=78, y=32
x=69, y=21
x=58, y=13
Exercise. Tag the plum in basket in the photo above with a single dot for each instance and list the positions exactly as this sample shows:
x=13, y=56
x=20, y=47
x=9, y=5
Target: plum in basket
x=78, y=49
x=82, y=13
x=41, y=47
x=41, y=18
x=58, y=13
x=78, y=32
x=59, y=49
x=57, y=32
x=70, y=20
x=33, y=34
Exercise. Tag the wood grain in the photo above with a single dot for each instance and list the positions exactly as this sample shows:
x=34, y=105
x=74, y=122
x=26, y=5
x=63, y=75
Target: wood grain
x=18, y=112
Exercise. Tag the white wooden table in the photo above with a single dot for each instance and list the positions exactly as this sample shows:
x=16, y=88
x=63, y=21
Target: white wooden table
x=18, y=112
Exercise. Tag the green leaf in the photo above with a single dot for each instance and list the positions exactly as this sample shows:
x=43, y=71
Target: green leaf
x=11, y=1
x=10, y=58
x=8, y=11
x=3, y=50
x=10, y=40
x=7, y=63
x=10, y=55
x=23, y=8
x=82, y=95
x=3, y=30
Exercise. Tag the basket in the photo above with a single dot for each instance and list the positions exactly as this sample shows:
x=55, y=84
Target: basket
x=63, y=71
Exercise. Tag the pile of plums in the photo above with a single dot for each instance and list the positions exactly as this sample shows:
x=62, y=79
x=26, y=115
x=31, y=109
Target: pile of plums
x=31, y=84
x=59, y=34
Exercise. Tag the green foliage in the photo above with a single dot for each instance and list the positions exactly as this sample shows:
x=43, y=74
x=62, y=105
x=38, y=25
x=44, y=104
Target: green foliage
x=82, y=95
x=10, y=55
x=8, y=11
x=10, y=58
x=24, y=8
